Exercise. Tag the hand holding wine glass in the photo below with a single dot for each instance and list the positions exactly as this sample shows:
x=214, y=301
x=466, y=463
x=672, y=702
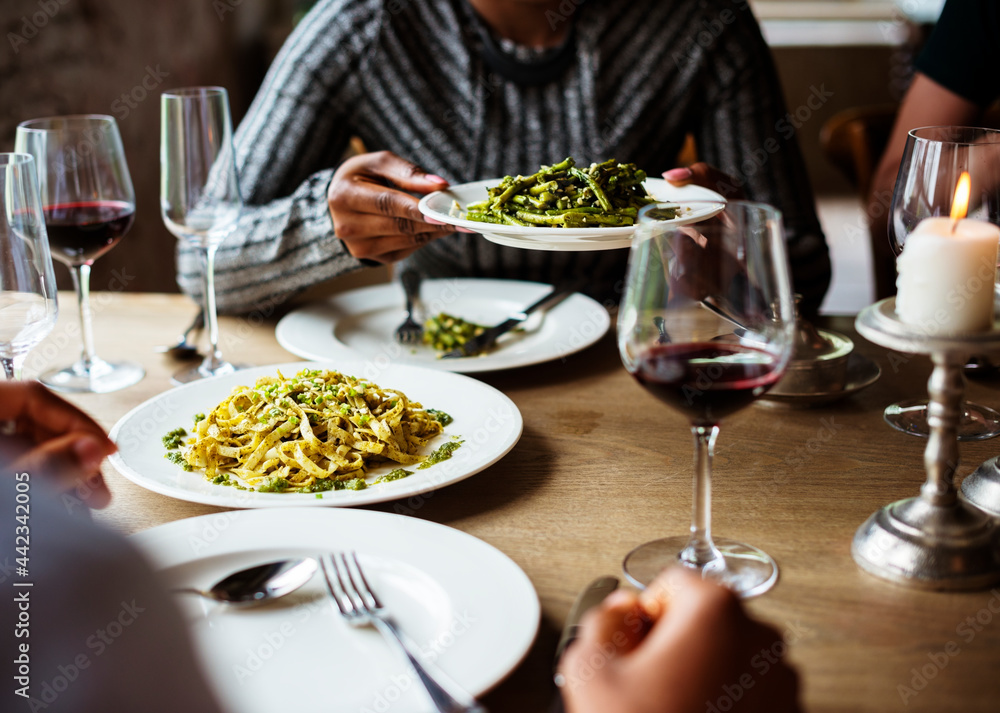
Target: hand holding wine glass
x=706, y=325
x=28, y=306
x=89, y=204
x=199, y=192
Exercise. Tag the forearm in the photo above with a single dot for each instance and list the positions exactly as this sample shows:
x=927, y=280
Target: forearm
x=278, y=249
x=926, y=103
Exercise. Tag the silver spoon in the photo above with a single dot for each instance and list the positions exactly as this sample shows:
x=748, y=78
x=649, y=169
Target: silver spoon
x=259, y=583
x=184, y=349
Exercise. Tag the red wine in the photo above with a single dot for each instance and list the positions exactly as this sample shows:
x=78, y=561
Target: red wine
x=707, y=381
x=81, y=232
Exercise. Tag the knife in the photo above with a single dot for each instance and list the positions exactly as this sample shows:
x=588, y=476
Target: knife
x=589, y=597
x=487, y=338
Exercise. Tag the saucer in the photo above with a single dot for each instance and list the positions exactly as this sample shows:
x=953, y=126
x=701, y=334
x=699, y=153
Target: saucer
x=862, y=372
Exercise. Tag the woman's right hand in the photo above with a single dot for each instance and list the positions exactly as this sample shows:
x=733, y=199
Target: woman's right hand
x=374, y=214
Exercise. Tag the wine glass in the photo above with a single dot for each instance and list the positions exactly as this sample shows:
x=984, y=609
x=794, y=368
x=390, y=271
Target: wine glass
x=706, y=324
x=28, y=306
x=89, y=204
x=934, y=158
x=199, y=192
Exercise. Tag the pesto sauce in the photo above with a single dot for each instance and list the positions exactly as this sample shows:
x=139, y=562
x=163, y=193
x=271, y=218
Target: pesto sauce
x=440, y=416
x=174, y=439
x=324, y=484
x=394, y=474
x=178, y=460
x=442, y=453
x=223, y=479
x=274, y=485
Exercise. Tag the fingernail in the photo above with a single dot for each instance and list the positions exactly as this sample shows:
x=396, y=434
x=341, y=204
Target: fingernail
x=677, y=174
x=88, y=453
x=433, y=221
x=436, y=179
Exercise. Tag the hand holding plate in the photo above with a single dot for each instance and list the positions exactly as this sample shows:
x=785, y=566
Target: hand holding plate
x=374, y=214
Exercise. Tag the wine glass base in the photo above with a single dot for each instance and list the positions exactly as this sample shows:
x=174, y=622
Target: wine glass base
x=101, y=378
x=976, y=423
x=197, y=373
x=747, y=571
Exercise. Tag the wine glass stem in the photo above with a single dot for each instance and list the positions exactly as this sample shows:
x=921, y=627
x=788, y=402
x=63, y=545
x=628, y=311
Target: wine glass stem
x=12, y=368
x=214, y=358
x=700, y=550
x=81, y=283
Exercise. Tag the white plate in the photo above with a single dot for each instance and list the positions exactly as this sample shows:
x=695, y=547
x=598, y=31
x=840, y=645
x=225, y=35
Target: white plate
x=440, y=206
x=360, y=324
x=455, y=595
x=485, y=419
x=572, y=245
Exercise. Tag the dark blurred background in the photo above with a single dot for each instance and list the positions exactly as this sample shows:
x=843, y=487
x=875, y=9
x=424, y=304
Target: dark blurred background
x=93, y=56
x=101, y=56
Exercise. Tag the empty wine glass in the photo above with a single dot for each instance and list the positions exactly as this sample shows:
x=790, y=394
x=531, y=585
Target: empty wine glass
x=934, y=158
x=28, y=306
x=88, y=203
x=706, y=324
x=199, y=192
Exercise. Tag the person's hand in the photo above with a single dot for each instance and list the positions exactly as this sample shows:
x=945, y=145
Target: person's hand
x=701, y=174
x=682, y=646
x=374, y=214
x=43, y=433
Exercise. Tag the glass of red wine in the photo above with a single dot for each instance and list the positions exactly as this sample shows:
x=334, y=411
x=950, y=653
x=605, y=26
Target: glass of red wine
x=706, y=325
x=88, y=204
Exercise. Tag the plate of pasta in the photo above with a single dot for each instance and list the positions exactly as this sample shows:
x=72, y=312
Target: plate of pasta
x=457, y=597
x=312, y=433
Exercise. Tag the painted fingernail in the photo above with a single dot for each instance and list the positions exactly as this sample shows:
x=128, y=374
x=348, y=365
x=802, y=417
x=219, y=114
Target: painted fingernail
x=436, y=179
x=677, y=174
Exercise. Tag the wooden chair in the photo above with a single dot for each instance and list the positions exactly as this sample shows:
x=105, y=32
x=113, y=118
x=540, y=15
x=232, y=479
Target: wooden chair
x=853, y=140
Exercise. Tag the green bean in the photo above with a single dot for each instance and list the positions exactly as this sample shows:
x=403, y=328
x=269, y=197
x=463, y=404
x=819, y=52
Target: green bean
x=444, y=331
x=604, y=194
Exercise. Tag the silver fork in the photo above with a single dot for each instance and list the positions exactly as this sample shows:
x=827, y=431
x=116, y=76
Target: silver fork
x=410, y=332
x=360, y=607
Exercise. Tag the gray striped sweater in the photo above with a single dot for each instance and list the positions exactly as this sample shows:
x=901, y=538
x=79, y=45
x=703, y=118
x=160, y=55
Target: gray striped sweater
x=409, y=76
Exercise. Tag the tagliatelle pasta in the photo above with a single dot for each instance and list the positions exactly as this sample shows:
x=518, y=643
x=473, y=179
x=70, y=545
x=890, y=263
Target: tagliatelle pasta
x=319, y=430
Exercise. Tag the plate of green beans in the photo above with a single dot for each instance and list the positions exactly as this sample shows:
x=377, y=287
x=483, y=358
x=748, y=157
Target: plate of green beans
x=565, y=207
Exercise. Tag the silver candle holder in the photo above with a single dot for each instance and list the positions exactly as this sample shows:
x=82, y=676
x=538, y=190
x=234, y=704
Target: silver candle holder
x=936, y=540
x=982, y=487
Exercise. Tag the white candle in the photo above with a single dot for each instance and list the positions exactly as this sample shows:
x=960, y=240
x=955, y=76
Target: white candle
x=946, y=276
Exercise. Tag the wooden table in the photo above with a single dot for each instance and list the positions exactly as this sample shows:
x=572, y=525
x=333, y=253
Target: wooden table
x=602, y=466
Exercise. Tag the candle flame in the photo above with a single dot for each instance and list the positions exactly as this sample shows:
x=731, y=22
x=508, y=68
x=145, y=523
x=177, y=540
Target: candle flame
x=960, y=204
